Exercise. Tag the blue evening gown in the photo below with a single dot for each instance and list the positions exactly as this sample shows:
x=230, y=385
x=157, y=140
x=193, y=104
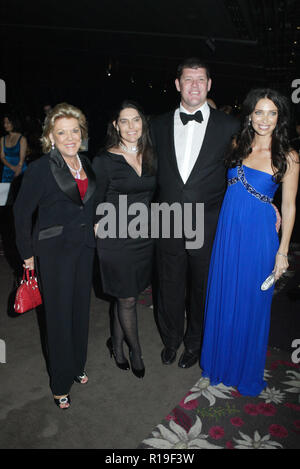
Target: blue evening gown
x=12, y=156
x=237, y=313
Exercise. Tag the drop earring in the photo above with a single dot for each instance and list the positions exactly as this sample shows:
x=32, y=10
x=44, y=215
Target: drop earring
x=52, y=146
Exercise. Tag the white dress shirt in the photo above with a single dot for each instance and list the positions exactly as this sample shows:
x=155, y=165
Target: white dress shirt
x=188, y=139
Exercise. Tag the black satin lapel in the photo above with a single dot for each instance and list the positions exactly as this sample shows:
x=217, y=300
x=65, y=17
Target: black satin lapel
x=63, y=177
x=171, y=146
x=92, y=180
x=207, y=144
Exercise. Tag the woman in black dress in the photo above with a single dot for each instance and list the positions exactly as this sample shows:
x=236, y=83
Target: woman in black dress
x=125, y=175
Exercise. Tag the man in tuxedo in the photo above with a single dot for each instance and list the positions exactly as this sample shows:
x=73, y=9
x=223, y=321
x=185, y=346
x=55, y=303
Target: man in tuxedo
x=190, y=144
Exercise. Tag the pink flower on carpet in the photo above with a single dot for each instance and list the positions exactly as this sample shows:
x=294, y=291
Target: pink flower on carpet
x=278, y=431
x=291, y=364
x=237, y=421
x=229, y=445
x=285, y=363
x=251, y=409
x=292, y=406
x=216, y=433
x=274, y=365
x=193, y=404
x=236, y=393
x=266, y=409
x=297, y=424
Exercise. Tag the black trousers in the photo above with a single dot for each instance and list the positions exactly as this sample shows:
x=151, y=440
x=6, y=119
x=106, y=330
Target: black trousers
x=182, y=280
x=66, y=287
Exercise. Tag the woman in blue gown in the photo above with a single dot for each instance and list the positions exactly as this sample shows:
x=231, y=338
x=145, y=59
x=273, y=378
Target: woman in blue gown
x=246, y=247
x=13, y=147
x=13, y=150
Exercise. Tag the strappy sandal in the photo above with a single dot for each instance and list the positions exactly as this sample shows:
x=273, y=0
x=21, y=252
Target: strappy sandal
x=81, y=379
x=63, y=401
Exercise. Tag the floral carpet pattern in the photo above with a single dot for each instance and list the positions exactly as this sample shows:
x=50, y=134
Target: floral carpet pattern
x=219, y=417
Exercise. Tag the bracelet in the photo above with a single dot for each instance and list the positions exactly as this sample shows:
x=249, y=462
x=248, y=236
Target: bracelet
x=280, y=254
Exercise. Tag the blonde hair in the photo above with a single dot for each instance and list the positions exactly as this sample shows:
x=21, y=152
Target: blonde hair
x=62, y=110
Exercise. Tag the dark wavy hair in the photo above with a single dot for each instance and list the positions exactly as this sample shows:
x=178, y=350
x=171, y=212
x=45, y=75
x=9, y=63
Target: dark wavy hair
x=280, y=143
x=113, y=137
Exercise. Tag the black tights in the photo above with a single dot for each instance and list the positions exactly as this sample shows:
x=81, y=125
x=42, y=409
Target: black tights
x=125, y=328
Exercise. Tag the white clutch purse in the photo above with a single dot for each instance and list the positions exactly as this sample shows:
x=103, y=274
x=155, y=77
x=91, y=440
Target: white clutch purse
x=268, y=282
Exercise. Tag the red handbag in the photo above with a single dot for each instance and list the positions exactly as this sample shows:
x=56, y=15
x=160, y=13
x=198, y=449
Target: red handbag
x=28, y=295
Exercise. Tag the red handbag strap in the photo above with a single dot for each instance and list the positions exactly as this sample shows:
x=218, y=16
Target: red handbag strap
x=28, y=276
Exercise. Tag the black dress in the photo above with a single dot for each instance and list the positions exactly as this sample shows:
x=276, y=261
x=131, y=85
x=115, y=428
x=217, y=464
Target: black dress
x=125, y=261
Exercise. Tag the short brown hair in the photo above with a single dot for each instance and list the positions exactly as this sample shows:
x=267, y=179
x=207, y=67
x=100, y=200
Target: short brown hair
x=192, y=62
x=62, y=110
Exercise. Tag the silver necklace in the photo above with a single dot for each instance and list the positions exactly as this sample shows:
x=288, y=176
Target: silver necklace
x=129, y=150
x=77, y=171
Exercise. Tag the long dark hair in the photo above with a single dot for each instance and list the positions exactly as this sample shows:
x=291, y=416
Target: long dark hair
x=280, y=143
x=113, y=138
x=15, y=122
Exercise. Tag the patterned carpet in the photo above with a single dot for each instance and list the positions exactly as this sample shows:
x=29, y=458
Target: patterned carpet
x=218, y=417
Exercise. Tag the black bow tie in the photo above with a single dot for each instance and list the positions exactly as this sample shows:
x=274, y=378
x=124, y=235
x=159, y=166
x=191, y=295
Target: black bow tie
x=185, y=118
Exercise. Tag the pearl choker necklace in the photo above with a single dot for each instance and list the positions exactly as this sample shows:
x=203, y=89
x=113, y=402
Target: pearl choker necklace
x=129, y=150
x=77, y=171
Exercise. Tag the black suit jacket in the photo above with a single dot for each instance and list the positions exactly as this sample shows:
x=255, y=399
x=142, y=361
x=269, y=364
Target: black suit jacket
x=207, y=181
x=63, y=219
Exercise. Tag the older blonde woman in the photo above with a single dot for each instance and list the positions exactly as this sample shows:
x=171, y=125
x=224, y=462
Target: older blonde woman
x=61, y=185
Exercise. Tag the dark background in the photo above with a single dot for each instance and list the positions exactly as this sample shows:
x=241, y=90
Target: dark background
x=94, y=53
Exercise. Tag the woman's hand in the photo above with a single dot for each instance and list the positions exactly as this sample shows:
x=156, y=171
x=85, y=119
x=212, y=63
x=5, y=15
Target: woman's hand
x=281, y=265
x=29, y=263
x=17, y=170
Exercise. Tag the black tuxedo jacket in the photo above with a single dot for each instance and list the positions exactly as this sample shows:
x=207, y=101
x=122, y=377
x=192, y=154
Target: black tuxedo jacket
x=207, y=181
x=63, y=219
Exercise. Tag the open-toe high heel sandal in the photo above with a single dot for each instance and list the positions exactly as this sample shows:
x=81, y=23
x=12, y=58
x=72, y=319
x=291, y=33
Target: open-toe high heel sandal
x=81, y=379
x=62, y=401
